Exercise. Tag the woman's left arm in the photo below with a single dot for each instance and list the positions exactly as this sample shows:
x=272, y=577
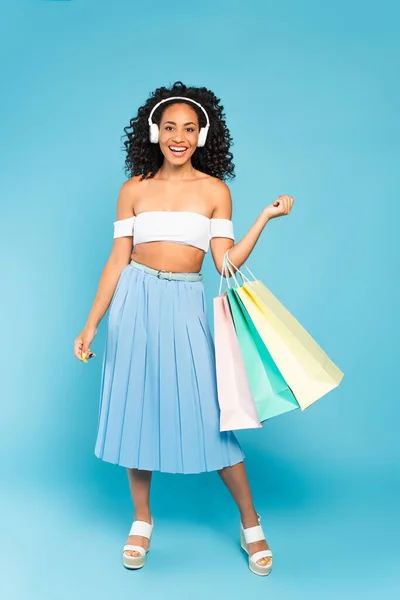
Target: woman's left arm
x=239, y=252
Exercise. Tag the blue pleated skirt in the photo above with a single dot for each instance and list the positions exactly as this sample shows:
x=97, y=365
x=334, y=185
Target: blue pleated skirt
x=158, y=395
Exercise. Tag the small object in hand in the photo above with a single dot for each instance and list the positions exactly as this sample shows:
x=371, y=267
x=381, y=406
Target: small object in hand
x=85, y=356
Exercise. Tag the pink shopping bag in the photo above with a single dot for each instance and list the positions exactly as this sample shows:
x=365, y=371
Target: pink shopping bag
x=238, y=410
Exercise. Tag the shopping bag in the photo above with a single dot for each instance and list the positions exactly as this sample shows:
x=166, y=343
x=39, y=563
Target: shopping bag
x=271, y=393
x=237, y=407
x=306, y=368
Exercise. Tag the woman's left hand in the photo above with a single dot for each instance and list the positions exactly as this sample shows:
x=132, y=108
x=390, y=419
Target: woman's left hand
x=281, y=206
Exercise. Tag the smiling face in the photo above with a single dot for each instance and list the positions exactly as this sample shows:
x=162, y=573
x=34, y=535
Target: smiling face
x=179, y=133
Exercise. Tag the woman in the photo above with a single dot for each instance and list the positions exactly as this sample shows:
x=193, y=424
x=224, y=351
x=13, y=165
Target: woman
x=158, y=405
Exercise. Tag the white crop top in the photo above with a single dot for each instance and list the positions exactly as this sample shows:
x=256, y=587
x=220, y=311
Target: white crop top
x=183, y=227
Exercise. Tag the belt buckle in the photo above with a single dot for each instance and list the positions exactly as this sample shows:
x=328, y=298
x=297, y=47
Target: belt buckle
x=169, y=274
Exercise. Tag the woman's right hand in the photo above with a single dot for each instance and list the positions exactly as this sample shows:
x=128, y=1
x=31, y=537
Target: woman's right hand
x=83, y=341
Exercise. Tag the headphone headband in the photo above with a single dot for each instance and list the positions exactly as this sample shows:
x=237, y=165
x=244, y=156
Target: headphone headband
x=178, y=98
x=154, y=130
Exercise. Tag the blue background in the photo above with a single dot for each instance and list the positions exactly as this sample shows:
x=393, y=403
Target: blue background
x=311, y=95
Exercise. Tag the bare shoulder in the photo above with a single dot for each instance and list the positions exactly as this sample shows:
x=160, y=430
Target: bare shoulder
x=126, y=198
x=220, y=196
x=130, y=185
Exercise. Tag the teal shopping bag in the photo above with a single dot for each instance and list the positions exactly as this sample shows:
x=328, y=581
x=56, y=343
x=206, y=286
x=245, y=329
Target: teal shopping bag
x=271, y=394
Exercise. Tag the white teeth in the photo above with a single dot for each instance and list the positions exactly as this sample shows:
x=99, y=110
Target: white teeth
x=174, y=149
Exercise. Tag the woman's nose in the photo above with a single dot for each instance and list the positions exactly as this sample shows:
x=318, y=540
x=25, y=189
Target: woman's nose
x=179, y=136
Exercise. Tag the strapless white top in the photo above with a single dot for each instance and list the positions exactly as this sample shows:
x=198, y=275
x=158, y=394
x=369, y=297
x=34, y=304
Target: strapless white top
x=182, y=227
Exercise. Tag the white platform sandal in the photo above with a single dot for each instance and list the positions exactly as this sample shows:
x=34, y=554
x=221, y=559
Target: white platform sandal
x=255, y=534
x=143, y=529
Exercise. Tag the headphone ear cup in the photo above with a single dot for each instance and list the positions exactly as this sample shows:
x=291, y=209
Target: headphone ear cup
x=153, y=133
x=202, y=136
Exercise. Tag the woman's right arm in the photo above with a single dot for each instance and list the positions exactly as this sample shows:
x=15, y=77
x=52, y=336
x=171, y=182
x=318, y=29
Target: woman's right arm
x=119, y=257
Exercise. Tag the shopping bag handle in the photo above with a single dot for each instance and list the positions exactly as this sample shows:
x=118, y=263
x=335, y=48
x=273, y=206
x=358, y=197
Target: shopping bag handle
x=224, y=273
x=238, y=270
x=242, y=275
x=227, y=271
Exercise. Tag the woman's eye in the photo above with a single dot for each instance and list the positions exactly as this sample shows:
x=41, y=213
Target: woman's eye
x=168, y=127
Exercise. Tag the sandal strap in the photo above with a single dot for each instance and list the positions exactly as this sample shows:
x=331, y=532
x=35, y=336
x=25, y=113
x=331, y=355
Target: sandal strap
x=253, y=534
x=261, y=554
x=139, y=549
x=141, y=528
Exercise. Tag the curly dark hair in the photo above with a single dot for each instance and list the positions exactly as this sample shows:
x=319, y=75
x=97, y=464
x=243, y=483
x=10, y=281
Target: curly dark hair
x=213, y=158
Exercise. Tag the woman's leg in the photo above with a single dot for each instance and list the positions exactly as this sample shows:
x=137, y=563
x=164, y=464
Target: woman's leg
x=235, y=479
x=139, y=483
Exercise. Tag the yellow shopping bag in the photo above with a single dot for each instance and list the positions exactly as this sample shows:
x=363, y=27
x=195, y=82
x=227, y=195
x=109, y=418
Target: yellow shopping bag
x=307, y=369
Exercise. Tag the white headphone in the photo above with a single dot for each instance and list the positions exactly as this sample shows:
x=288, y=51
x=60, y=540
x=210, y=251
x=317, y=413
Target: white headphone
x=153, y=127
